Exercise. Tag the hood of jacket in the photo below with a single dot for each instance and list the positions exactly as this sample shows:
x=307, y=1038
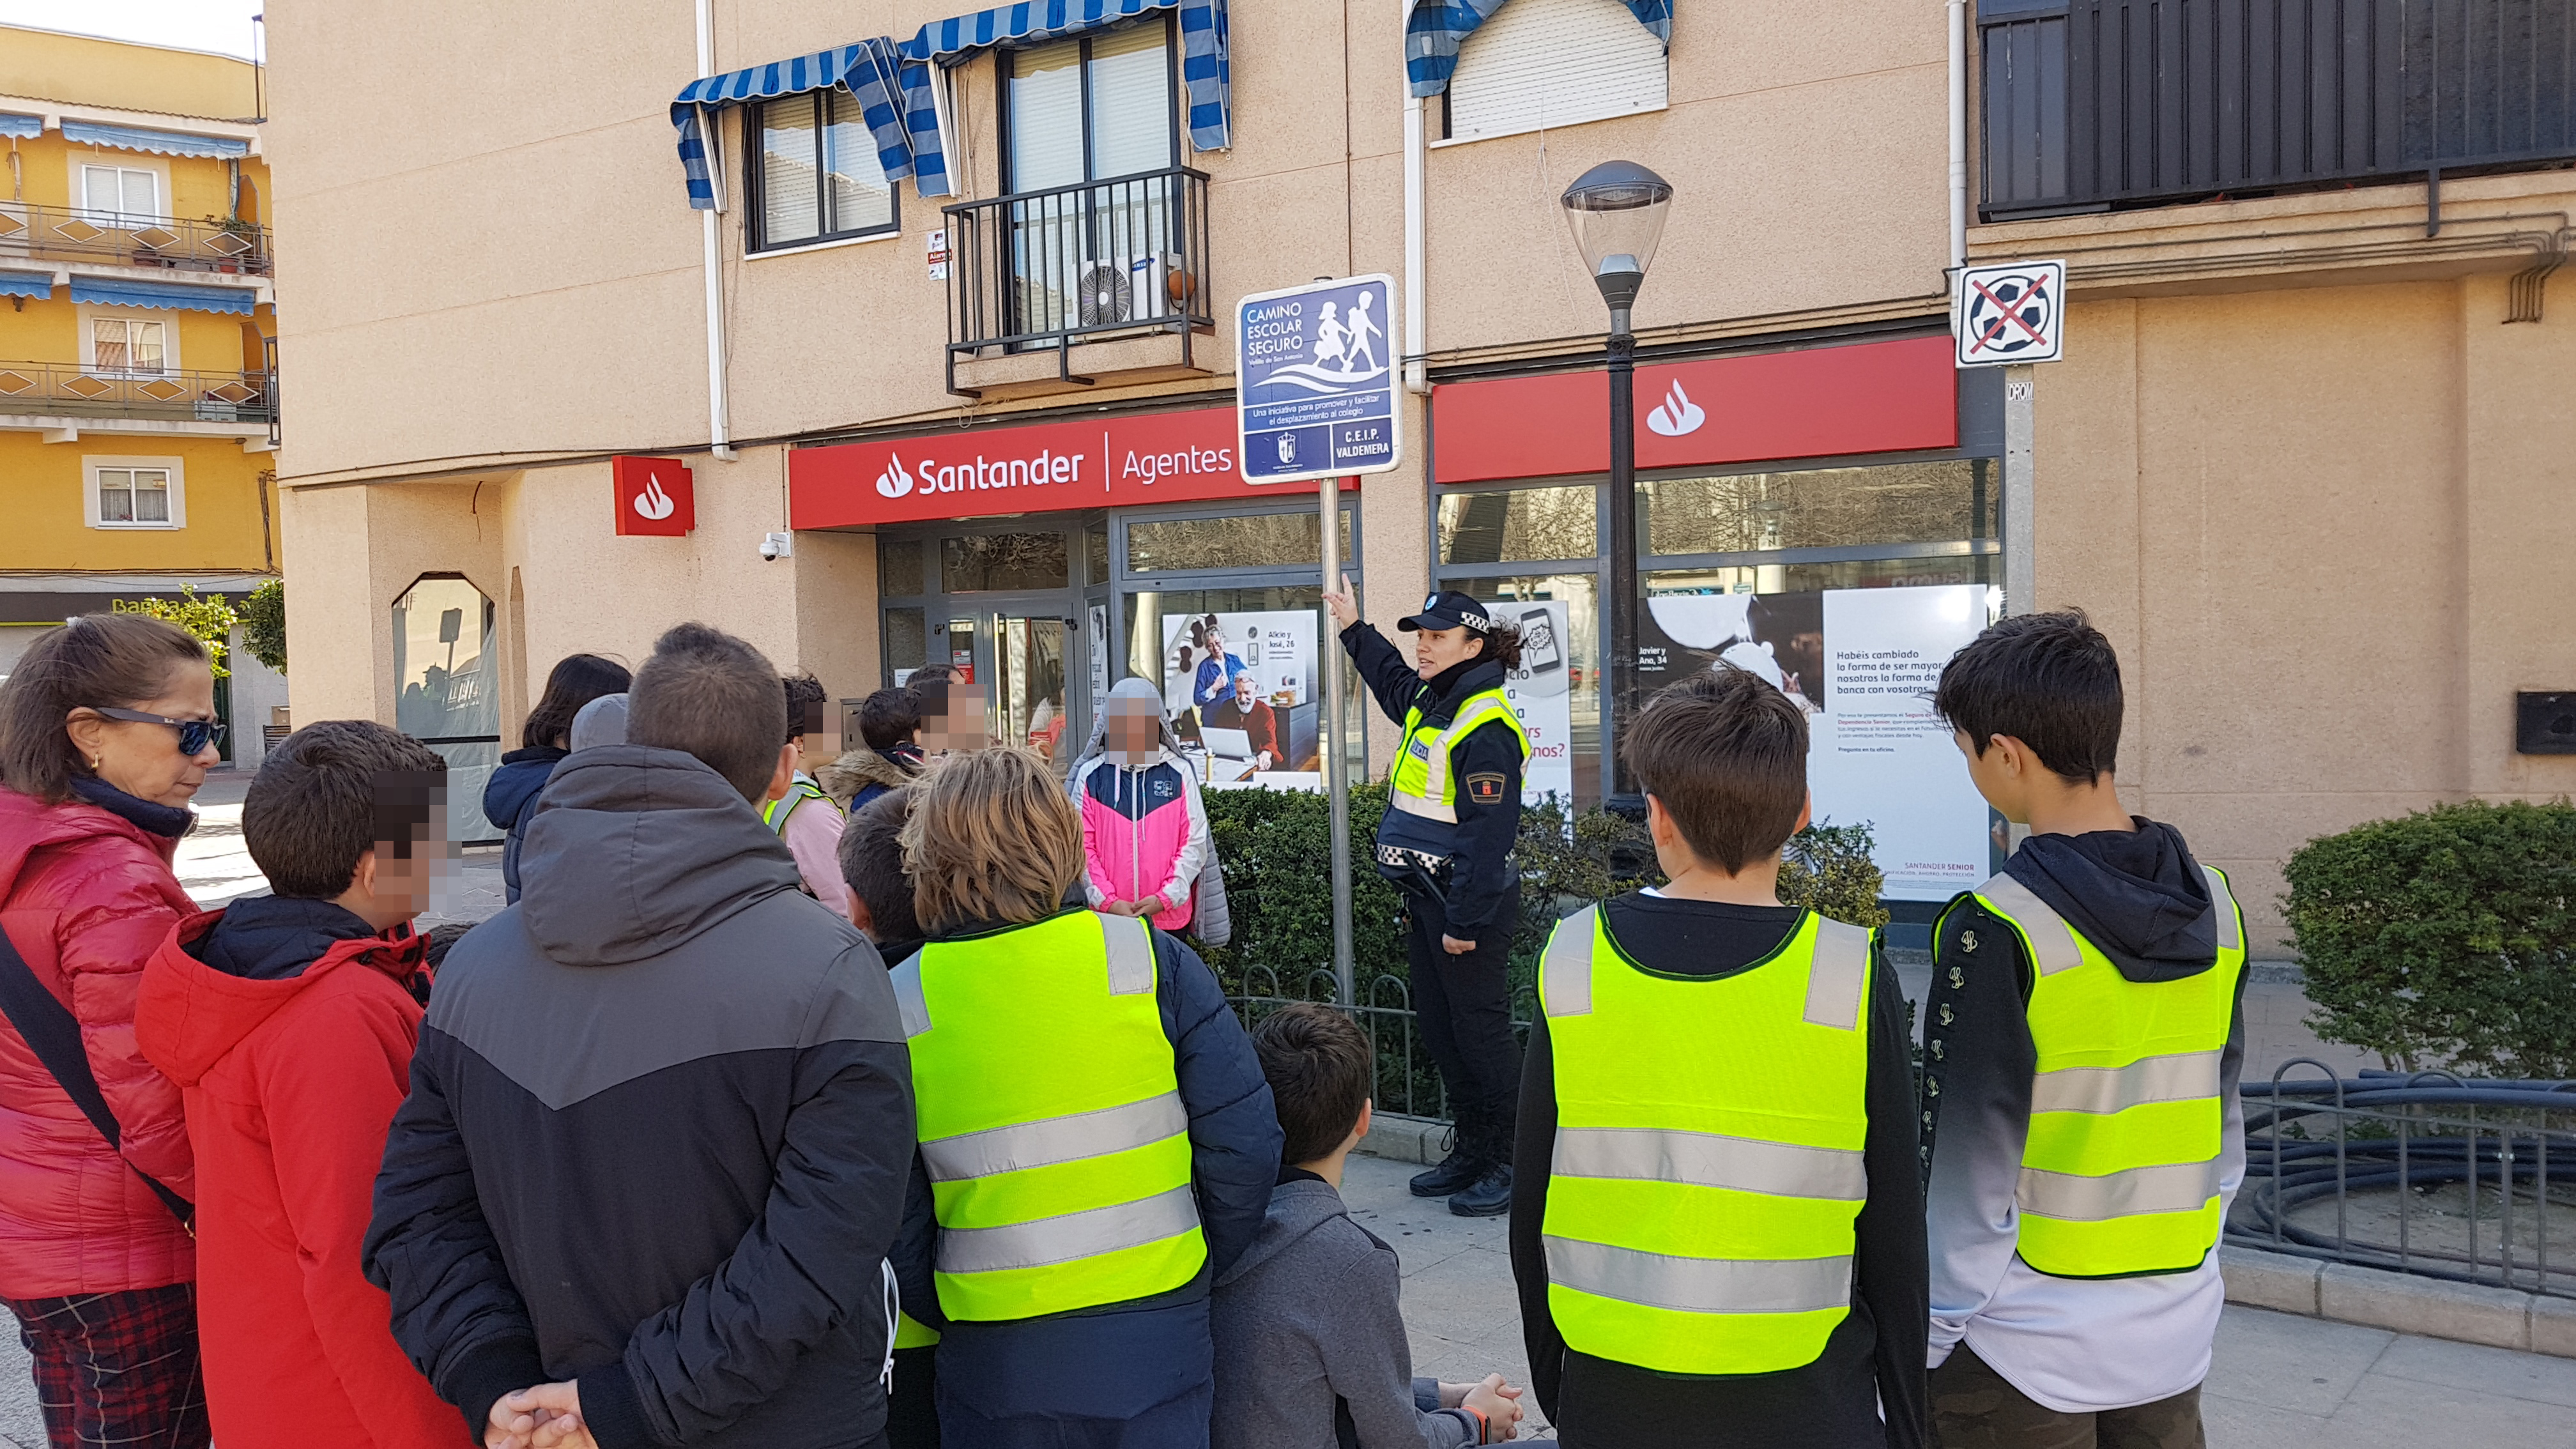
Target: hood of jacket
x=1297, y=1209
x=633, y=850
x=188, y=1015
x=2138, y=896
x=269, y=938
x=28, y=825
x=858, y=769
x=514, y=786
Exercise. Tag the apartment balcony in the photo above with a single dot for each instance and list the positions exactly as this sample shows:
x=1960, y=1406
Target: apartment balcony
x=1074, y=286
x=62, y=401
x=2104, y=105
x=53, y=233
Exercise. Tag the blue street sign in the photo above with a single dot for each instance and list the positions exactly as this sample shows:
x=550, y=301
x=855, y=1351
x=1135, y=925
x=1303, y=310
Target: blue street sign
x=1315, y=381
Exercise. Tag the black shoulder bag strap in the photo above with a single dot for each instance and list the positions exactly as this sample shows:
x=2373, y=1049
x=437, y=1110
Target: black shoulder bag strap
x=54, y=1035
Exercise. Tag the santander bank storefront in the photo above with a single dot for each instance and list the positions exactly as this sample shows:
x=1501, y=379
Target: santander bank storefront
x=1050, y=559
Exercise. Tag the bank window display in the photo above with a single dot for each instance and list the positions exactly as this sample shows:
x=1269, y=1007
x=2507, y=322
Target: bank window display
x=446, y=690
x=816, y=176
x=1044, y=613
x=1519, y=523
x=1847, y=588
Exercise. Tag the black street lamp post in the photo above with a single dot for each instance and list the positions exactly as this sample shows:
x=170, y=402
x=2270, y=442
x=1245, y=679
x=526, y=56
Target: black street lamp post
x=1616, y=210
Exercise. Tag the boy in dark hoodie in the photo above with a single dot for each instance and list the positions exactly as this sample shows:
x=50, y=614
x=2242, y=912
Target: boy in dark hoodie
x=2081, y=1050
x=1310, y=1345
x=890, y=728
x=288, y=1022
x=880, y=904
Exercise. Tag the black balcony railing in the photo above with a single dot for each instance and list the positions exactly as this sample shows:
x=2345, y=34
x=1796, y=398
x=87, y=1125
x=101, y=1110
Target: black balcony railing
x=1041, y=270
x=72, y=234
x=2095, y=104
x=61, y=389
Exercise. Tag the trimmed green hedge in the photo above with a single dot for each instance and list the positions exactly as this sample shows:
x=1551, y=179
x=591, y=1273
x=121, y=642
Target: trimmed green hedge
x=1276, y=846
x=2445, y=938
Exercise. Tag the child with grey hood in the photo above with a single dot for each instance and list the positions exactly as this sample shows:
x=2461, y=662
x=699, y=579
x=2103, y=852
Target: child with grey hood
x=1310, y=1345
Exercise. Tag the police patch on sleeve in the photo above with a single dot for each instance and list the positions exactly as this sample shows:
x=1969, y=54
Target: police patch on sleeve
x=1485, y=788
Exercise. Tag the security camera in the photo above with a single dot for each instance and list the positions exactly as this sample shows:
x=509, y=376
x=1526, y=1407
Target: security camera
x=776, y=545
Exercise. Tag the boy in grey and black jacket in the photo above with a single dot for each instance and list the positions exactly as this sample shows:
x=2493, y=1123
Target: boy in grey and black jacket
x=1308, y=1331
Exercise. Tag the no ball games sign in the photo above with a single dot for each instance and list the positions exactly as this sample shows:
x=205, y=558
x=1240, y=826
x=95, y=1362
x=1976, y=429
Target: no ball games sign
x=1315, y=393
x=2010, y=312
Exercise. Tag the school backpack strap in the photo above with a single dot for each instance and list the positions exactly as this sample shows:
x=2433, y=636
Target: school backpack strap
x=53, y=1034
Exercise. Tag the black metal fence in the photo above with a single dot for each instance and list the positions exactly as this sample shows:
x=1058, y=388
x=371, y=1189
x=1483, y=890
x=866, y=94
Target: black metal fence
x=1046, y=269
x=1406, y=1082
x=2092, y=104
x=2422, y=1172
x=83, y=234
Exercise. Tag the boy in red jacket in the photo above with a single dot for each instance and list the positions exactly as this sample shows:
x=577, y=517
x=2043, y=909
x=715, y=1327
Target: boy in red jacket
x=288, y=1022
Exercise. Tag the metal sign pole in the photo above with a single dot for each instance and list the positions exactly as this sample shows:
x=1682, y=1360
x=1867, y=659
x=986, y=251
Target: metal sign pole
x=2021, y=555
x=1336, y=764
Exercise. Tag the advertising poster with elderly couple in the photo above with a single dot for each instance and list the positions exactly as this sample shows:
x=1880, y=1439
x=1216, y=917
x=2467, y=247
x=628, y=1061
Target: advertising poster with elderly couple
x=1243, y=687
x=1862, y=663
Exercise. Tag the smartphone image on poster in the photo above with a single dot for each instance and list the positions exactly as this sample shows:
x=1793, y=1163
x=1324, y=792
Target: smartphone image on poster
x=1539, y=651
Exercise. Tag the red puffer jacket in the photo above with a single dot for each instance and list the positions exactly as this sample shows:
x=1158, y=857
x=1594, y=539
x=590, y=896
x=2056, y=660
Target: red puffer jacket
x=87, y=898
x=291, y=1084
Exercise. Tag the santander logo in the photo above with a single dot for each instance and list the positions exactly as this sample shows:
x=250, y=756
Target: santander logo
x=894, y=482
x=1676, y=416
x=653, y=504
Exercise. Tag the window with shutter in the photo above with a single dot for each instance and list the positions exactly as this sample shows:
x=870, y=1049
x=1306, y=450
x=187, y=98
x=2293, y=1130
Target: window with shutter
x=1091, y=108
x=120, y=197
x=1544, y=63
x=816, y=176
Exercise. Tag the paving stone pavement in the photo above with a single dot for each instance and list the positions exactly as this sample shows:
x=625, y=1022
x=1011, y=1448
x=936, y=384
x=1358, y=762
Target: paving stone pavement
x=2277, y=1381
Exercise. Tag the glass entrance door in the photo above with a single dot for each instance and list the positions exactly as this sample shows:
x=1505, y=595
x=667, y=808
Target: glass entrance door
x=1024, y=661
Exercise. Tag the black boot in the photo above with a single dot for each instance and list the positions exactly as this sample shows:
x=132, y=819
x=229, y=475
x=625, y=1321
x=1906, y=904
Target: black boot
x=1457, y=1172
x=1489, y=1197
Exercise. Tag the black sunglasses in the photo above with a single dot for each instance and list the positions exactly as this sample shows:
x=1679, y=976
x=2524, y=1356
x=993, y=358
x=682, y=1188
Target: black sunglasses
x=194, y=734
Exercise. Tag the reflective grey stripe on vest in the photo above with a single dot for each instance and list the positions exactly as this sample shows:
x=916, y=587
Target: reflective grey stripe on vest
x=1131, y=954
x=2179, y=1188
x=1063, y=1239
x=2051, y=939
x=1427, y=809
x=2181, y=1077
x=1565, y=967
x=997, y=1150
x=1706, y=1159
x=907, y=997
x=1700, y=1285
x=1837, y=974
x=1435, y=784
x=2231, y=926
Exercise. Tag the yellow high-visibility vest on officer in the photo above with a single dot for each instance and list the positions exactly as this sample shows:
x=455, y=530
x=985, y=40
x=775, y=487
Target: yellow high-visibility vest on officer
x=1453, y=811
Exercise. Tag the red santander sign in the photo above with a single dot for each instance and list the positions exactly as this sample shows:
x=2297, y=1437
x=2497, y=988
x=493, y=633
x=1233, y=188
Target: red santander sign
x=1868, y=397
x=656, y=497
x=1122, y=461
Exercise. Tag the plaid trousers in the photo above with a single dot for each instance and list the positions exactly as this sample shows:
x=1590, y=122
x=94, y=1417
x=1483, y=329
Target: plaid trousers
x=117, y=1370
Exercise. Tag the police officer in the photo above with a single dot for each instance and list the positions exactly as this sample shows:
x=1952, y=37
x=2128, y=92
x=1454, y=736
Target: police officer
x=1453, y=810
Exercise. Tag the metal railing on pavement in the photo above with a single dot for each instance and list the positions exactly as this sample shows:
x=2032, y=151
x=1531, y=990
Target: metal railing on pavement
x=78, y=234
x=2425, y=1173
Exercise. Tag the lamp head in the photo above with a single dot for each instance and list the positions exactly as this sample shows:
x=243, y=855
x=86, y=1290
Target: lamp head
x=1616, y=211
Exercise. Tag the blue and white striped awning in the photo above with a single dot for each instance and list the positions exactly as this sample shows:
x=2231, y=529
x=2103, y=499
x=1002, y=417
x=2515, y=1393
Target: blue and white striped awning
x=160, y=143
x=868, y=70
x=1436, y=28
x=26, y=284
x=172, y=296
x=1207, y=73
x=16, y=125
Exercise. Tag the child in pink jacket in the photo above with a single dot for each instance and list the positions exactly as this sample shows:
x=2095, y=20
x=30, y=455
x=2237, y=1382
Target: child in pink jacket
x=1144, y=829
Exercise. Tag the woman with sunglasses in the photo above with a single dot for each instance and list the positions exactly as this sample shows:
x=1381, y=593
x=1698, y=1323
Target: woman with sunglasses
x=107, y=726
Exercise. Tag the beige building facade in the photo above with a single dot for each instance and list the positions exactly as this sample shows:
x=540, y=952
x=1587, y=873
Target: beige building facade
x=2295, y=459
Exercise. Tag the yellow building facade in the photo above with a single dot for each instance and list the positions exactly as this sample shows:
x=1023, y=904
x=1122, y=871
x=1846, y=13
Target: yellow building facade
x=138, y=400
